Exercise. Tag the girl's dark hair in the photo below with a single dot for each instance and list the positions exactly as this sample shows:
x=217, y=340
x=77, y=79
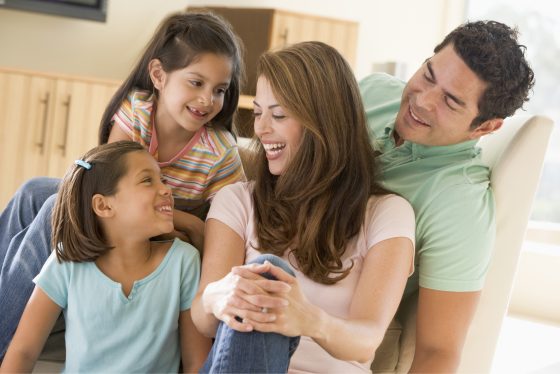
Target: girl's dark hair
x=318, y=204
x=490, y=49
x=77, y=232
x=179, y=40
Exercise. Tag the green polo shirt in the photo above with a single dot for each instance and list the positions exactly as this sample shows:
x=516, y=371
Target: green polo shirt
x=449, y=189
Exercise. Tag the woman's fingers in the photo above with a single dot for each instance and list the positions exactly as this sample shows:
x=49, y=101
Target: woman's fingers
x=244, y=320
x=236, y=323
x=275, y=286
x=280, y=274
x=253, y=295
x=267, y=301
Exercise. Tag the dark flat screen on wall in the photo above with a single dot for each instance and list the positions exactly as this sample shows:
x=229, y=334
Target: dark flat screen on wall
x=94, y=10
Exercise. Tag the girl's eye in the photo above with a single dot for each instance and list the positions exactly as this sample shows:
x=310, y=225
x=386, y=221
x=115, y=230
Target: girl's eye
x=147, y=180
x=278, y=117
x=256, y=114
x=196, y=83
x=221, y=91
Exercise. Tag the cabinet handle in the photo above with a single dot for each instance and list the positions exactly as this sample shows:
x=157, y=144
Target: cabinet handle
x=41, y=142
x=284, y=37
x=62, y=145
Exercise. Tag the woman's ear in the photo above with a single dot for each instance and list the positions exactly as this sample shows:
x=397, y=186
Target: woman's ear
x=157, y=74
x=102, y=206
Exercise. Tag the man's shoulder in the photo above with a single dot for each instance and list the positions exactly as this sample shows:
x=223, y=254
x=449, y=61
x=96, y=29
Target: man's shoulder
x=381, y=95
x=377, y=83
x=459, y=183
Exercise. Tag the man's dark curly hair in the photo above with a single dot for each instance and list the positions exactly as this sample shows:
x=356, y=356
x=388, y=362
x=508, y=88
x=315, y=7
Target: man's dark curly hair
x=491, y=51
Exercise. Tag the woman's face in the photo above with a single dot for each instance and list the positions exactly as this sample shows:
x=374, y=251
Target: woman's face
x=279, y=132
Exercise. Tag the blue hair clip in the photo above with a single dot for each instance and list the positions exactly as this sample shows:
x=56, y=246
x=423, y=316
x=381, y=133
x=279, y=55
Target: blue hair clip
x=84, y=164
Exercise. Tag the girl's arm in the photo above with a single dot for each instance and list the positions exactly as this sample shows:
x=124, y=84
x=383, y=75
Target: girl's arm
x=194, y=346
x=375, y=301
x=117, y=134
x=223, y=295
x=36, y=323
x=190, y=225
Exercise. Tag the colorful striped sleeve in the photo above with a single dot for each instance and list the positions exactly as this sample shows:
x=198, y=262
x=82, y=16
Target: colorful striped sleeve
x=124, y=117
x=226, y=171
x=134, y=116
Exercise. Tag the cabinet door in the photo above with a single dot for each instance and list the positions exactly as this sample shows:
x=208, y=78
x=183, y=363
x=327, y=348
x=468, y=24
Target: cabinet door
x=79, y=107
x=25, y=112
x=289, y=28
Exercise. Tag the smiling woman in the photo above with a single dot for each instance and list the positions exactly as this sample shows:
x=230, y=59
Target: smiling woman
x=299, y=258
x=276, y=128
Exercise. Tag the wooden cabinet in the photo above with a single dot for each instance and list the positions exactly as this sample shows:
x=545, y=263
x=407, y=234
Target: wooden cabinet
x=46, y=122
x=265, y=29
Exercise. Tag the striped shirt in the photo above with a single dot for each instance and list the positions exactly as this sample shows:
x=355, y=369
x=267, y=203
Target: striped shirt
x=207, y=163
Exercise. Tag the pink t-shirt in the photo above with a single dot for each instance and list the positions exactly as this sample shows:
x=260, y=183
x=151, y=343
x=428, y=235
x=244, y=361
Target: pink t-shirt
x=386, y=217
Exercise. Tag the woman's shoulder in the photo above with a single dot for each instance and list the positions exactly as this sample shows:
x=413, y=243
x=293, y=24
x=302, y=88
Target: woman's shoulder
x=388, y=204
x=241, y=190
x=389, y=209
x=388, y=216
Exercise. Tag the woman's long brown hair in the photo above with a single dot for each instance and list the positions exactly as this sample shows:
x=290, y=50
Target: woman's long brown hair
x=318, y=204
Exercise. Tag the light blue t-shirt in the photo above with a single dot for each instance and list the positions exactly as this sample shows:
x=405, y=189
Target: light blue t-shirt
x=449, y=189
x=107, y=332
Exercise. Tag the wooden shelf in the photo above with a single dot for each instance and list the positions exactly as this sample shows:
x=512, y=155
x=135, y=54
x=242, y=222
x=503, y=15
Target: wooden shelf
x=246, y=102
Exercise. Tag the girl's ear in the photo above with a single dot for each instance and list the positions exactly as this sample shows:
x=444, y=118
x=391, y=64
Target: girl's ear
x=102, y=206
x=157, y=74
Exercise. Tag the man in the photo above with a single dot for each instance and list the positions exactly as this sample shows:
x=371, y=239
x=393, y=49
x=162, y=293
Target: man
x=426, y=132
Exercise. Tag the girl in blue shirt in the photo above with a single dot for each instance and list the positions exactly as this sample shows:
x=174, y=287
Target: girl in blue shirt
x=126, y=300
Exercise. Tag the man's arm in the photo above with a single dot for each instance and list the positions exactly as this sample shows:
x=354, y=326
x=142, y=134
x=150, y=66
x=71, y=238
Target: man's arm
x=442, y=323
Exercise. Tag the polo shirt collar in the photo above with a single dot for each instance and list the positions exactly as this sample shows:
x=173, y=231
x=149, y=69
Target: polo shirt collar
x=423, y=151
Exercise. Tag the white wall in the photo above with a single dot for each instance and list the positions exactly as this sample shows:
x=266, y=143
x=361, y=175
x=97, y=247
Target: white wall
x=79, y=47
x=535, y=292
x=399, y=30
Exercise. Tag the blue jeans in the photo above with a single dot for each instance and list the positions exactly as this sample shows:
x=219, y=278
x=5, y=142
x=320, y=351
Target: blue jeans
x=25, y=242
x=251, y=352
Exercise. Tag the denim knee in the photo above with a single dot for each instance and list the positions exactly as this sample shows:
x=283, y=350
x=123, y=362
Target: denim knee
x=274, y=260
x=39, y=186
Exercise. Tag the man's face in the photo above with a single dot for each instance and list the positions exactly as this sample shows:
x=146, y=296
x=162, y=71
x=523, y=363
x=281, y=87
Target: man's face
x=439, y=102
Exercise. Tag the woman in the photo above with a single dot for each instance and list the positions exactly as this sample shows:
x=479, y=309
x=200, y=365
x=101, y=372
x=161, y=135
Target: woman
x=338, y=246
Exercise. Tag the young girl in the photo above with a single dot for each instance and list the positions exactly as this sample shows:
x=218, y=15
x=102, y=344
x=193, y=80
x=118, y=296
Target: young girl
x=340, y=247
x=178, y=102
x=125, y=298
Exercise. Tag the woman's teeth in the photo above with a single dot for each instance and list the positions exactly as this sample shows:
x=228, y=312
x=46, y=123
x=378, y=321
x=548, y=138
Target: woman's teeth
x=274, y=148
